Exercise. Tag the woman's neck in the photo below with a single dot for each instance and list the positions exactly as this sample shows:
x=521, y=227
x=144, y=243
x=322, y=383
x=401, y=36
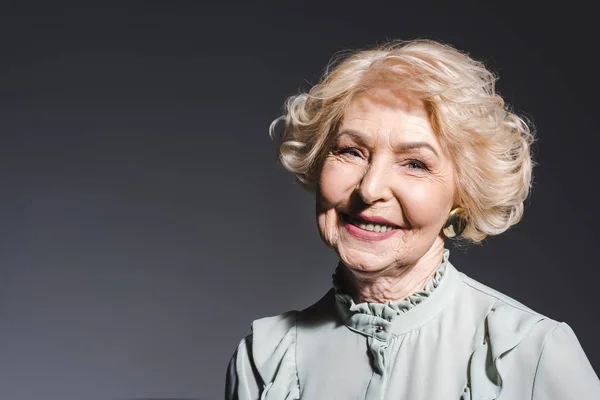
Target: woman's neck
x=397, y=283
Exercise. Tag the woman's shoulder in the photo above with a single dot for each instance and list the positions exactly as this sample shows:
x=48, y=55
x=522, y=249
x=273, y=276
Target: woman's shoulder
x=272, y=336
x=513, y=336
x=506, y=321
x=496, y=299
x=509, y=321
x=265, y=360
x=267, y=352
x=279, y=325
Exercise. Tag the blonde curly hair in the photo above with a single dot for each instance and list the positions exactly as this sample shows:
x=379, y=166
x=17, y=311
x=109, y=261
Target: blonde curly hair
x=490, y=146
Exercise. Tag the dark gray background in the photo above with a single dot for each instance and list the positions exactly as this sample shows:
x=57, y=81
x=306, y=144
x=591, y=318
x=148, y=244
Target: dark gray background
x=144, y=220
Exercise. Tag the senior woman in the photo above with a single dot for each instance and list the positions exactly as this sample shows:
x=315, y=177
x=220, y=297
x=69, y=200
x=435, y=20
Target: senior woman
x=405, y=145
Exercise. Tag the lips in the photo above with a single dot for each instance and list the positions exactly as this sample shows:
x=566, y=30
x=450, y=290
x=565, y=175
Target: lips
x=363, y=228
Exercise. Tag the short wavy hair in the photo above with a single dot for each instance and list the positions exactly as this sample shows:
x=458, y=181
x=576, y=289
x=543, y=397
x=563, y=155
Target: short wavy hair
x=490, y=145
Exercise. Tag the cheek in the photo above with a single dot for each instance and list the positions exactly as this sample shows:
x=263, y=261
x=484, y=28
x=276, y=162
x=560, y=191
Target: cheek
x=425, y=202
x=336, y=183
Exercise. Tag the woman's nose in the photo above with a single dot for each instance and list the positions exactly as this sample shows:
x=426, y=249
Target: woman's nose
x=375, y=184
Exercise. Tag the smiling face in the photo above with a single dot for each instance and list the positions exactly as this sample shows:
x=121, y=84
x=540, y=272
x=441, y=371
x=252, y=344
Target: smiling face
x=386, y=186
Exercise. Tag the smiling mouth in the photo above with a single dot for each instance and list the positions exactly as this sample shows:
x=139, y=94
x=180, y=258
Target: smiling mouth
x=367, y=225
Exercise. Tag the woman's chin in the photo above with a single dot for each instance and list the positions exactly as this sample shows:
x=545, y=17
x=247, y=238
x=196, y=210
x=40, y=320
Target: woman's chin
x=364, y=261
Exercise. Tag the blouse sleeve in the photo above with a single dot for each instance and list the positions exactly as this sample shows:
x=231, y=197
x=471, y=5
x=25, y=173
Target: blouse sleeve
x=264, y=365
x=564, y=372
x=241, y=383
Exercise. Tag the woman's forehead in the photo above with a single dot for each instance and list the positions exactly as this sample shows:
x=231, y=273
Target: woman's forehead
x=390, y=113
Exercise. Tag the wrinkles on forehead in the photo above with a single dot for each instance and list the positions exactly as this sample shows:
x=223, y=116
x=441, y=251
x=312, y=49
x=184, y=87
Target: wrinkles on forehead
x=403, y=120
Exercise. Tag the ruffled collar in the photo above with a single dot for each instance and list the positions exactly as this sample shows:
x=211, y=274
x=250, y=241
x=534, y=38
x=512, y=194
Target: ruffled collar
x=383, y=320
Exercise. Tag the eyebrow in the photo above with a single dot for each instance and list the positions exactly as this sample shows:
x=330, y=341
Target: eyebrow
x=360, y=139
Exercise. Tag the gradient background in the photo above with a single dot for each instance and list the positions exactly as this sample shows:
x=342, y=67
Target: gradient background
x=145, y=222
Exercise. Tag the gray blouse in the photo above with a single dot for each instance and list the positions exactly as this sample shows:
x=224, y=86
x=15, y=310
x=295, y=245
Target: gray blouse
x=456, y=339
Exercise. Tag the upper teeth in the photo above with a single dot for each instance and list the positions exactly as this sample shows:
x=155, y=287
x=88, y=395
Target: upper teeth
x=375, y=227
x=368, y=226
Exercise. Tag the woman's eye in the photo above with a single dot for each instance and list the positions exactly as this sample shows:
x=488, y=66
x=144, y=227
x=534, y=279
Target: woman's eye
x=415, y=164
x=351, y=151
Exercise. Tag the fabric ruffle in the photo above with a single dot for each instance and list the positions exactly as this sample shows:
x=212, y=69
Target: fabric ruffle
x=276, y=359
x=389, y=309
x=487, y=365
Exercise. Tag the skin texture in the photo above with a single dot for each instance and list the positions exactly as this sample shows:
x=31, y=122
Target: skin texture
x=371, y=169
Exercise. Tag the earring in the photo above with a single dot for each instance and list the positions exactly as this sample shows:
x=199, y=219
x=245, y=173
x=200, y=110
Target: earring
x=456, y=223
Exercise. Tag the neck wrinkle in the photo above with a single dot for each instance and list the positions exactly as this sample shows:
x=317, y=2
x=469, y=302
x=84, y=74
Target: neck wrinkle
x=385, y=320
x=397, y=286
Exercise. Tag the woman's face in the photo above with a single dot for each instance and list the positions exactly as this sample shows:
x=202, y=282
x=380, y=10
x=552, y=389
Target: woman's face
x=386, y=187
